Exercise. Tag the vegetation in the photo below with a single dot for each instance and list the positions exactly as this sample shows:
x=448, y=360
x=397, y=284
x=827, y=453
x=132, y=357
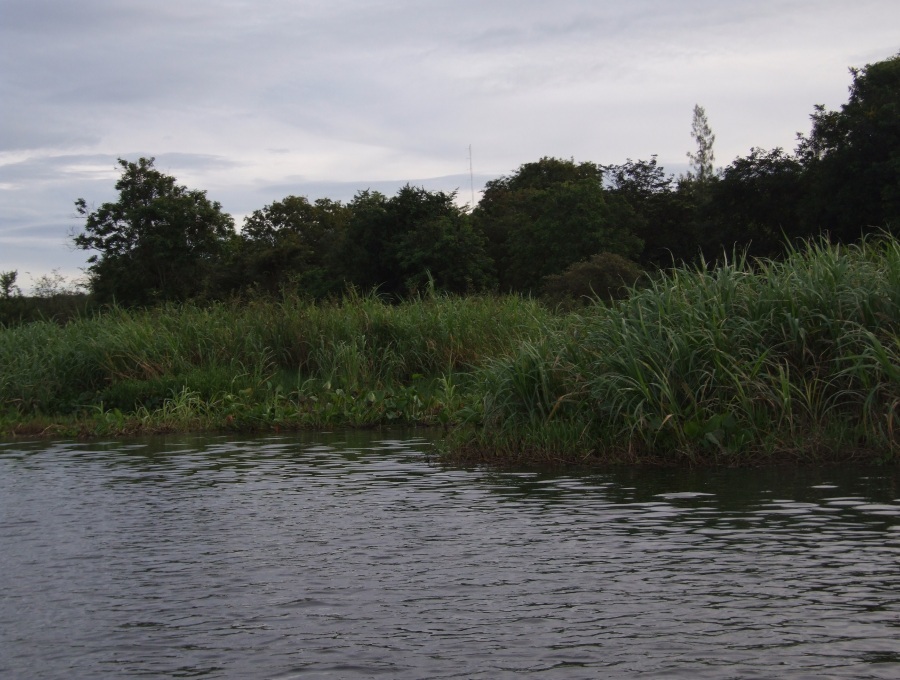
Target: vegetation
x=399, y=244
x=162, y=242
x=747, y=361
x=742, y=314
x=702, y=169
x=8, y=287
x=256, y=363
x=159, y=241
x=290, y=244
x=605, y=276
x=52, y=298
x=750, y=360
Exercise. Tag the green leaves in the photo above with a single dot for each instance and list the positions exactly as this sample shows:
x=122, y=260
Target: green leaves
x=417, y=238
x=852, y=156
x=158, y=242
x=799, y=357
x=548, y=215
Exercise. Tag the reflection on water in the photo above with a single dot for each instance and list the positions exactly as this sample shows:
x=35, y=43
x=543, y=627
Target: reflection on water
x=352, y=556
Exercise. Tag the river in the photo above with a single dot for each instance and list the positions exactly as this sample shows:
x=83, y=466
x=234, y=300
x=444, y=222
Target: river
x=355, y=555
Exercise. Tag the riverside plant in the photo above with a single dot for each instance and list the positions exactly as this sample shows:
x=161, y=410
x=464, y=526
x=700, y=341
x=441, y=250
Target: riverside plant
x=257, y=363
x=747, y=361
x=312, y=406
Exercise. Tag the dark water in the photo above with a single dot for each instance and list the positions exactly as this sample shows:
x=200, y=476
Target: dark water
x=352, y=557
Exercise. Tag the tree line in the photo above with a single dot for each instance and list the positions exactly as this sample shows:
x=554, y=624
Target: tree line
x=554, y=226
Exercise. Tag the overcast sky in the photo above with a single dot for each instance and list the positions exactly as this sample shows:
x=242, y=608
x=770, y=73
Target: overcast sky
x=256, y=100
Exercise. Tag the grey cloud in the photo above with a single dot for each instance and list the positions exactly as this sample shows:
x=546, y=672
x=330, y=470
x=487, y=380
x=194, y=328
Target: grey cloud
x=37, y=18
x=30, y=170
x=74, y=167
x=18, y=135
x=186, y=161
x=242, y=97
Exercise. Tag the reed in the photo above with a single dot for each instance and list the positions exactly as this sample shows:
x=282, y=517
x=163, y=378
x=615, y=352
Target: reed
x=355, y=361
x=751, y=360
x=747, y=361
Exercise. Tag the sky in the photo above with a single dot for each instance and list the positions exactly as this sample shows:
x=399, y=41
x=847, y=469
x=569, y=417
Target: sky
x=256, y=100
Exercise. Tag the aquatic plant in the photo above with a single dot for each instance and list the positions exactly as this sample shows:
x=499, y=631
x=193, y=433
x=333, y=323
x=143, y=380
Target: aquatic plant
x=746, y=360
x=259, y=362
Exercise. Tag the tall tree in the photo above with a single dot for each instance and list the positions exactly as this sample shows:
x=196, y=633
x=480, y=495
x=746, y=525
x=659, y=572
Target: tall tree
x=702, y=159
x=549, y=214
x=402, y=242
x=852, y=156
x=695, y=188
x=291, y=243
x=158, y=242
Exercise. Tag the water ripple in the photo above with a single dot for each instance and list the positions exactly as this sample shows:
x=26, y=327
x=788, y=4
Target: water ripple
x=351, y=556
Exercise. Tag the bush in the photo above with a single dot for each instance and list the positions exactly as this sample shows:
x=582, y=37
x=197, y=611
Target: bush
x=606, y=276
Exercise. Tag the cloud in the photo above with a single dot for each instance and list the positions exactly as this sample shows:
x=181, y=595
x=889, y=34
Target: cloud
x=246, y=99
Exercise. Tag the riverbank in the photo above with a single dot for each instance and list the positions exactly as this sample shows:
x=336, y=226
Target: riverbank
x=257, y=365
x=747, y=362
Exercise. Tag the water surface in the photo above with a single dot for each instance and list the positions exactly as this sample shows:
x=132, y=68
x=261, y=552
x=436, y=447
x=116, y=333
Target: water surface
x=354, y=556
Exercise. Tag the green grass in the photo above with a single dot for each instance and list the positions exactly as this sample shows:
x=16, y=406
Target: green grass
x=258, y=364
x=747, y=362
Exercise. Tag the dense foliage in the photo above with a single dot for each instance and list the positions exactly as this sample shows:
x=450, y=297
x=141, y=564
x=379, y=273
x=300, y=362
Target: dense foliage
x=258, y=364
x=161, y=241
x=751, y=312
x=749, y=361
x=743, y=362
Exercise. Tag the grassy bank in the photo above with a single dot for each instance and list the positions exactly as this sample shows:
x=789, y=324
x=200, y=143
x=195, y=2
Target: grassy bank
x=256, y=365
x=747, y=362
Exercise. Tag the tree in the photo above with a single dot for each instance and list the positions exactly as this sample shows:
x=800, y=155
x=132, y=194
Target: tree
x=665, y=215
x=755, y=204
x=159, y=241
x=548, y=215
x=364, y=254
x=638, y=181
x=694, y=189
x=8, y=287
x=399, y=244
x=702, y=160
x=291, y=243
x=851, y=157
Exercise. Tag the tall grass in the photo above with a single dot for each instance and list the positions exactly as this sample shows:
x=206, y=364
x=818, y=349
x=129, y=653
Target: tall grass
x=749, y=360
x=746, y=361
x=255, y=355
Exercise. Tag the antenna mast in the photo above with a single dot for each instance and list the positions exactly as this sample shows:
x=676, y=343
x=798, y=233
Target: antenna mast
x=471, y=177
